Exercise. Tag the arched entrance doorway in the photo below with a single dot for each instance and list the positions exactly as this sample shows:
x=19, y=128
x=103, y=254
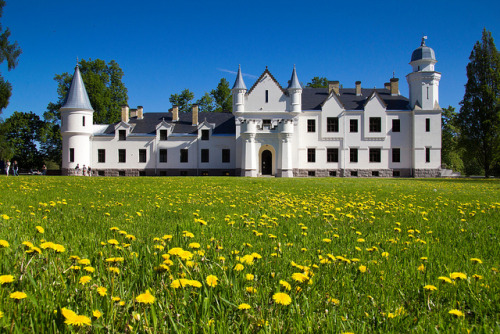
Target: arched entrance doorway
x=266, y=162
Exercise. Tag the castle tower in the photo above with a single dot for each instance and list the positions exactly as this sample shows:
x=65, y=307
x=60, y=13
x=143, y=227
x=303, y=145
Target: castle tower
x=424, y=81
x=295, y=91
x=77, y=118
x=239, y=90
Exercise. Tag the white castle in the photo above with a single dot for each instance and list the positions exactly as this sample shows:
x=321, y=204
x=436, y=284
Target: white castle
x=276, y=131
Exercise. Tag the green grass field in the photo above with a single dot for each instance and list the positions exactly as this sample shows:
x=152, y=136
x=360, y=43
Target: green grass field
x=221, y=255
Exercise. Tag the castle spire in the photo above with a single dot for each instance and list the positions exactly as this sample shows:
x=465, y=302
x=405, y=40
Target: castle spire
x=294, y=81
x=239, y=83
x=77, y=97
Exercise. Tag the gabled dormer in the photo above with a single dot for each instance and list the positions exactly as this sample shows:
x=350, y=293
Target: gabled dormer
x=205, y=130
x=374, y=117
x=164, y=130
x=267, y=95
x=122, y=130
x=331, y=111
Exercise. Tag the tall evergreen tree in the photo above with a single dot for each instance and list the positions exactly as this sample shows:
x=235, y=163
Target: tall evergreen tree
x=318, y=82
x=451, y=154
x=479, y=117
x=223, y=97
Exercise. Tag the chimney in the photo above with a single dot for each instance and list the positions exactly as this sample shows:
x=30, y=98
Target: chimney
x=140, y=112
x=358, y=88
x=175, y=113
x=394, y=86
x=125, y=116
x=333, y=85
x=387, y=86
x=132, y=113
x=195, y=114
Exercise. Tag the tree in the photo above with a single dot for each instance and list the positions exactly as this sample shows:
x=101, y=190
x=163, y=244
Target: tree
x=22, y=133
x=206, y=103
x=106, y=91
x=182, y=100
x=9, y=52
x=479, y=117
x=318, y=82
x=223, y=97
x=451, y=154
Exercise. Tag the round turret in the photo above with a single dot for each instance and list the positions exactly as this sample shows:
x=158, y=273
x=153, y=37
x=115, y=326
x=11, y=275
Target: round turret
x=423, y=58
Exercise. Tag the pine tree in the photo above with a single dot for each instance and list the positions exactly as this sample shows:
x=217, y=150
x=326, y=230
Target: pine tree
x=479, y=117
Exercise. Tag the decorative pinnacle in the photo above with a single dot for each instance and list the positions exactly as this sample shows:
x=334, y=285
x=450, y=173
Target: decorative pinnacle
x=423, y=40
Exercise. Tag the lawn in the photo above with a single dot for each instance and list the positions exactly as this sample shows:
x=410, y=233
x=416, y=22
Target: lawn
x=220, y=255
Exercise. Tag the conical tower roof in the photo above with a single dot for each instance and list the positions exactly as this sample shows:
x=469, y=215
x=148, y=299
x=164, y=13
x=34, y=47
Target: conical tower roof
x=239, y=83
x=77, y=97
x=294, y=81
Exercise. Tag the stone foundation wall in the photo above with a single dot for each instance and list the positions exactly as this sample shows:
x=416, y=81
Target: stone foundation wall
x=427, y=172
x=164, y=172
x=351, y=172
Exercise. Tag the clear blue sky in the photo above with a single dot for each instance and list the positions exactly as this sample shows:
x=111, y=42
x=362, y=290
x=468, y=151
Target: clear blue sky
x=166, y=46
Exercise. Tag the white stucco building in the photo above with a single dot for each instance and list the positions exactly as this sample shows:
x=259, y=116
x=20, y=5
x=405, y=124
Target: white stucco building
x=273, y=130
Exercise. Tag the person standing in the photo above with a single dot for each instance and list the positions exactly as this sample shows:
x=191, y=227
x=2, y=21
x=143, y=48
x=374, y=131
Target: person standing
x=15, y=168
x=7, y=167
x=44, y=170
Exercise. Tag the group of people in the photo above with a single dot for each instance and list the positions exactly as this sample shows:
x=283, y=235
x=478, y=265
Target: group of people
x=85, y=171
x=13, y=168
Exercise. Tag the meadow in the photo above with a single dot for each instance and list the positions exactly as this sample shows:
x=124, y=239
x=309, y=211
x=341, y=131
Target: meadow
x=220, y=255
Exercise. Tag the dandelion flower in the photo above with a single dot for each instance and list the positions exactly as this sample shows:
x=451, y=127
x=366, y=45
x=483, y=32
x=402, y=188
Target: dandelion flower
x=102, y=291
x=40, y=229
x=249, y=277
x=84, y=262
x=300, y=277
x=244, y=306
x=239, y=267
x=18, y=295
x=430, y=288
x=89, y=269
x=286, y=285
x=1, y=314
x=145, y=298
x=4, y=243
x=362, y=268
x=113, y=242
x=421, y=268
x=97, y=314
x=478, y=277
x=250, y=289
x=456, y=313
x=85, y=279
x=114, y=270
x=476, y=260
x=78, y=320
x=212, y=280
x=282, y=298
x=6, y=279
x=458, y=276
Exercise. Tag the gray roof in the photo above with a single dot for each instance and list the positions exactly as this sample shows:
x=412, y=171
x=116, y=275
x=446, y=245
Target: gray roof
x=423, y=52
x=312, y=98
x=294, y=81
x=77, y=97
x=239, y=83
x=224, y=123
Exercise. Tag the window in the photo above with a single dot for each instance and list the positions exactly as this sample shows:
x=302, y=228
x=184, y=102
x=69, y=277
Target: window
x=396, y=173
x=184, y=173
x=396, y=125
x=332, y=173
x=311, y=173
x=163, y=155
x=266, y=122
x=354, y=173
x=332, y=155
x=375, y=173
x=332, y=124
x=121, y=173
x=375, y=124
x=83, y=120
x=311, y=155
x=353, y=153
x=311, y=125
x=122, y=135
x=427, y=125
x=267, y=96
x=71, y=155
x=396, y=155
x=142, y=173
x=101, y=173
x=184, y=155
x=142, y=155
x=163, y=173
x=205, y=134
x=427, y=154
x=101, y=155
x=121, y=155
x=375, y=155
x=204, y=155
x=226, y=155
x=353, y=125
x=204, y=173
x=163, y=134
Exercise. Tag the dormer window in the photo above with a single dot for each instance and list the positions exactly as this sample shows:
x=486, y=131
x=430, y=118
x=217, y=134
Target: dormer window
x=205, y=134
x=122, y=135
x=163, y=134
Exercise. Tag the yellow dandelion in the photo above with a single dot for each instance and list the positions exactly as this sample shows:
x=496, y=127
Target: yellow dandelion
x=244, y=306
x=145, y=298
x=6, y=279
x=249, y=277
x=84, y=262
x=478, y=277
x=40, y=229
x=362, y=268
x=458, y=276
x=4, y=244
x=239, y=267
x=102, y=291
x=85, y=279
x=456, y=313
x=250, y=289
x=421, y=268
x=97, y=314
x=282, y=298
x=286, y=285
x=89, y=269
x=300, y=277
x=113, y=242
x=114, y=270
x=18, y=295
x=212, y=280
x=430, y=288
x=476, y=260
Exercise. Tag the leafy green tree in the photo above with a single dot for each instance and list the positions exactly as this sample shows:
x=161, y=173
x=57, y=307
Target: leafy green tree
x=183, y=100
x=479, y=117
x=22, y=133
x=9, y=52
x=223, y=97
x=451, y=154
x=104, y=86
x=206, y=103
x=318, y=82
